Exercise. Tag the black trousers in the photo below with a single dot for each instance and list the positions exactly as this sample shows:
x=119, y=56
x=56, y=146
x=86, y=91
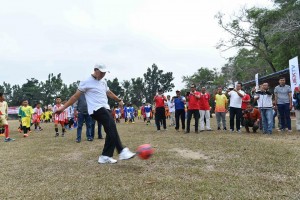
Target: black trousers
x=180, y=113
x=189, y=117
x=112, y=139
x=160, y=115
x=237, y=113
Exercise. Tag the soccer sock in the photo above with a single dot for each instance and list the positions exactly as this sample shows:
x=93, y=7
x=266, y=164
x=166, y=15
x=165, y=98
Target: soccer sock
x=35, y=126
x=56, y=130
x=63, y=130
x=25, y=129
x=6, y=131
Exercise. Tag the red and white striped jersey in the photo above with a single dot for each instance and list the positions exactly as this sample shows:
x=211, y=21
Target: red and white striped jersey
x=62, y=116
x=38, y=111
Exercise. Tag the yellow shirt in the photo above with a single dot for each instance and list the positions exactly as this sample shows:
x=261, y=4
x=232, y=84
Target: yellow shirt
x=221, y=101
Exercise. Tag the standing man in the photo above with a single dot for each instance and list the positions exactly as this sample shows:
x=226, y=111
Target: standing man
x=93, y=128
x=193, y=108
x=235, y=106
x=96, y=91
x=204, y=109
x=171, y=110
x=160, y=113
x=179, y=102
x=221, y=108
x=81, y=111
x=265, y=103
x=283, y=102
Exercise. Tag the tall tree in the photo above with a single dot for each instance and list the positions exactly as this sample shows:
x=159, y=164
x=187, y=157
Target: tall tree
x=32, y=91
x=248, y=30
x=52, y=88
x=155, y=79
x=138, y=91
x=116, y=88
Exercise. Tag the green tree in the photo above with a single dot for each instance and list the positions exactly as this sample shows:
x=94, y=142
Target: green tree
x=137, y=93
x=52, y=88
x=155, y=79
x=7, y=90
x=116, y=88
x=32, y=91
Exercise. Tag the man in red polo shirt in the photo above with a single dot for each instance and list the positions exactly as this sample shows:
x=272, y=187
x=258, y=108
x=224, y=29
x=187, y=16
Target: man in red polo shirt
x=204, y=109
x=160, y=114
x=193, y=108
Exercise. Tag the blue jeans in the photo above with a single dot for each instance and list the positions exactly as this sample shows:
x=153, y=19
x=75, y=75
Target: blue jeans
x=93, y=129
x=88, y=120
x=285, y=115
x=267, y=120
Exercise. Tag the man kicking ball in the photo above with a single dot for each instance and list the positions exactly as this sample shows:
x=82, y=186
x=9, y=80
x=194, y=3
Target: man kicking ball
x=96, y=91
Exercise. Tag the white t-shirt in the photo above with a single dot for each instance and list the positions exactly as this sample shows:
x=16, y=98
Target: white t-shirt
x=95, y=93
x=235, y=99
x=171, y=106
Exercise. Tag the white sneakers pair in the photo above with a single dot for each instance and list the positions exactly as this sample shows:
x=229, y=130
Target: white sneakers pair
x=124, y=155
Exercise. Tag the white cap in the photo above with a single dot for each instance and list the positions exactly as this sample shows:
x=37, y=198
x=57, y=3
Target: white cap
x=101, y=67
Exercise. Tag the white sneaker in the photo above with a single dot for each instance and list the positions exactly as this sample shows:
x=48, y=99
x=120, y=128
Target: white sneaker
x=126, y=154
x=105, y=159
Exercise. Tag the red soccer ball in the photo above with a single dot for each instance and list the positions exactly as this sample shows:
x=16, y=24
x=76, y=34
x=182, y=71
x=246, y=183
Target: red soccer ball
x=145, y=151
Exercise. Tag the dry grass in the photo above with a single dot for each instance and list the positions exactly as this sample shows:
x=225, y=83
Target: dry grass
x=209, y=165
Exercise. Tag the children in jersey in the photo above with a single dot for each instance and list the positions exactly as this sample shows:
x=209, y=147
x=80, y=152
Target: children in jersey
x=125, y=113
x=130, y=113
x=70, y=116
x=147, y=110
x=3, y=118
x=48, y=114
x=36, y=117
x=25, y=112
x=117, y=114
x=59, y=118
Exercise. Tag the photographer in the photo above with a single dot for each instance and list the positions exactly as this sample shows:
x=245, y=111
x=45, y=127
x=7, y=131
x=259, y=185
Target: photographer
x=160, y=114
x=179, y=102
x=251, y=118
x=265, y=105
x=193, y=108
x=235, y=106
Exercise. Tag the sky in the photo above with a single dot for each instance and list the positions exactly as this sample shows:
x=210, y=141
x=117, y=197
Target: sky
x=71, y=36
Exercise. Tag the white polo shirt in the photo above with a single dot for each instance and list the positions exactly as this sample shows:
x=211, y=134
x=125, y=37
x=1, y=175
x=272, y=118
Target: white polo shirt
x=95, y=93
x=235, y=99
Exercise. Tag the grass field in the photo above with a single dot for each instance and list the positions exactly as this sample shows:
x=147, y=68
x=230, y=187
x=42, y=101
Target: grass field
x=209, y=165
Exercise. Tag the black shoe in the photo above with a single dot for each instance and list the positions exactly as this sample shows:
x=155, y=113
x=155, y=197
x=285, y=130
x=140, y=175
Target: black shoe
x=90, y=139
x=187, y=132
x=219, y=128
x=100, y=138
x=56, y=134
x=62, y=135
x=78, y=141
x=225, y=129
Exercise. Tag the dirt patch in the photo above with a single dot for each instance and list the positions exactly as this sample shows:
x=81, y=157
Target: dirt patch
x=196, y=155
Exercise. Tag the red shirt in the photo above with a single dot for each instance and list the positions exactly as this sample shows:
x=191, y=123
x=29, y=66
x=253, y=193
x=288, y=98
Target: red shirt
x=204, y=101
x=159, y=101
x=193, y=101
x=245, y=98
